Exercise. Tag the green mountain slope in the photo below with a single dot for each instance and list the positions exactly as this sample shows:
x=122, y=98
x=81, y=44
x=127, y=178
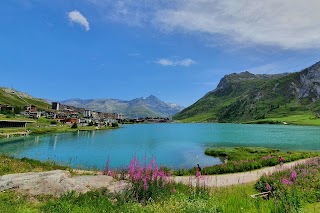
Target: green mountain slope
x=247, y=97
x=19, y=99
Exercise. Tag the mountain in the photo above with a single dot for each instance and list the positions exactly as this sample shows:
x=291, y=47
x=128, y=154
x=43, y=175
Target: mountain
x=19, y=99
x=247, y=97
x=139, y=107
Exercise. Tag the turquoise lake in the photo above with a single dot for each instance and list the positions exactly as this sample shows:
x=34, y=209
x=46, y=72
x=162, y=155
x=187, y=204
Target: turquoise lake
x=172, y=145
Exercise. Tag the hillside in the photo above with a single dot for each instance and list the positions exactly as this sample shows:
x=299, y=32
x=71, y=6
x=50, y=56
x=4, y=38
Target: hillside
x=246, y=97
x=19, y=99
x=139, y=107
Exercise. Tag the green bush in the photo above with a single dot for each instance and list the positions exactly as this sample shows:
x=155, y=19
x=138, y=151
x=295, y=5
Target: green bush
x=114, y=124
x=74, y=126
x=53, y=122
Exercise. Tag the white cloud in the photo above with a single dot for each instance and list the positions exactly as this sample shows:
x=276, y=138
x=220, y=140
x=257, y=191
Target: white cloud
x=131, y=12
x=289, y=24
x=167, y=62
x=76, y=17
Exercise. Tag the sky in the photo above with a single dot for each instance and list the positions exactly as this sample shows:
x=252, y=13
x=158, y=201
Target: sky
x=177, y=50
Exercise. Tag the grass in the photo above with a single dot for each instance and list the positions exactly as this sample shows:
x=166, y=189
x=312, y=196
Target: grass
x=10, y=165
x=184, y=199
x=311, y=208
x=241, y=159
x=299, y=119
x=226, y=199
x=198, y=118
x=11, y=130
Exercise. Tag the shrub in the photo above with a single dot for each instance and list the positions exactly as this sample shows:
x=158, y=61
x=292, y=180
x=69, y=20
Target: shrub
x=114, y=124
x=53, y=122
x=74, y=126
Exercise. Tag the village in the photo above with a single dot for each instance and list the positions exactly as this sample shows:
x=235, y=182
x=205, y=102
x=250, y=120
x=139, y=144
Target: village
x=67, y=114
x=73, y=115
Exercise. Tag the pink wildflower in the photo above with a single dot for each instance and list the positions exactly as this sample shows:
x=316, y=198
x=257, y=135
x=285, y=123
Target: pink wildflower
x=286, y=181
x=145, y=184
x=293, y=175
x=268, y=187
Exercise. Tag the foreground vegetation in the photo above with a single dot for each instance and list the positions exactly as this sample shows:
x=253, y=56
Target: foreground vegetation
x=241, y=159
x=299, y=184
x=152, y=191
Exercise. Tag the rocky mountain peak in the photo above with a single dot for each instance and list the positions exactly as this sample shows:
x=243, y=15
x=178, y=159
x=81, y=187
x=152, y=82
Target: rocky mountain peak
x=310, y=82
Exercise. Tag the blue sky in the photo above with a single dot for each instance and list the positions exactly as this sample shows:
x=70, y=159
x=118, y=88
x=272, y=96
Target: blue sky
x=175, y=50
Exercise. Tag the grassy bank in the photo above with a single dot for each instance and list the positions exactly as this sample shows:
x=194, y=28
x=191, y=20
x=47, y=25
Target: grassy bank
x=243, y=159
x=10, y=165
x=303, y=119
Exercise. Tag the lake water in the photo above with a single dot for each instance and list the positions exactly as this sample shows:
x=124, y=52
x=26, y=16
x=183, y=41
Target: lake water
x=173, y=145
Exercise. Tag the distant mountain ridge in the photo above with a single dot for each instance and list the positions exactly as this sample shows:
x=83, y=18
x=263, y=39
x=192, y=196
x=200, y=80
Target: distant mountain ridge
x=139, y=107
x=246, y=97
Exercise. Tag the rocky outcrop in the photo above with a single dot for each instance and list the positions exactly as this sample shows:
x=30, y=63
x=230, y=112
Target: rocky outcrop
x=310, y=81
x=58, y=182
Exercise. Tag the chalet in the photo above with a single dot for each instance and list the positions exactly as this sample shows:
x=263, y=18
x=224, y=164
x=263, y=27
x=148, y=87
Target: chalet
x=74, y=114
x=30, y=108
x=35, y=115
x=71, y=120
x=6, y=107
x=95, y=115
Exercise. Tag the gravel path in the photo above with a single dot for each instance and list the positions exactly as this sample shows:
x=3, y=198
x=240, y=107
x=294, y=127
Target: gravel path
x=234, y=178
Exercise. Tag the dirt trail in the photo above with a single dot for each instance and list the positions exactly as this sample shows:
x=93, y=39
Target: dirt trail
x=234, y=178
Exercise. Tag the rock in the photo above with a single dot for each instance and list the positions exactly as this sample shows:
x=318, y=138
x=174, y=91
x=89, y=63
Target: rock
x=57, y=183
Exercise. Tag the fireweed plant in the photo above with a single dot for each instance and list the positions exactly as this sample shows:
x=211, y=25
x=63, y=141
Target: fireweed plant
x=298, y=184
x=149, y=182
